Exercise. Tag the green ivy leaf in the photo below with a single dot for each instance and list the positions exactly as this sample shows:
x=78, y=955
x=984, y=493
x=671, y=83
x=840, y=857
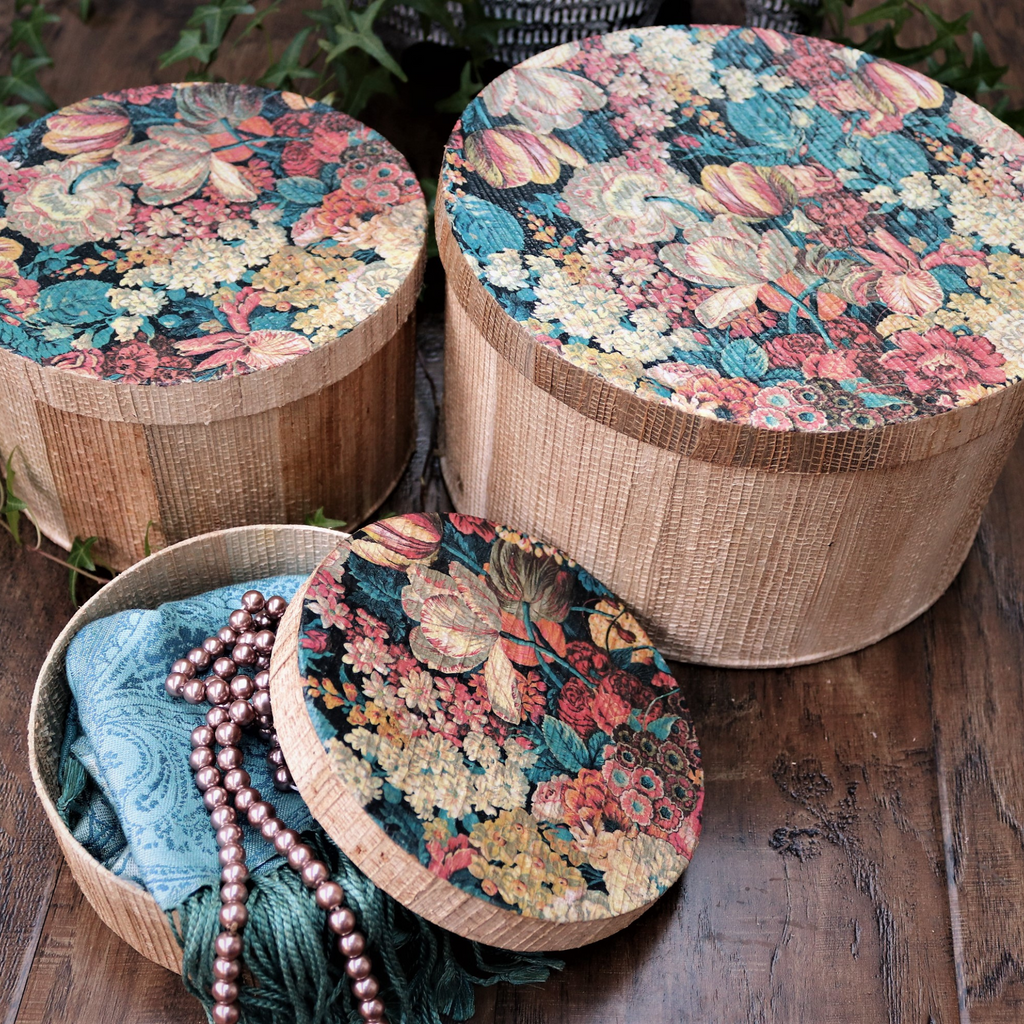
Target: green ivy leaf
x=80, y=557
x=318, y=518
x=12, y=505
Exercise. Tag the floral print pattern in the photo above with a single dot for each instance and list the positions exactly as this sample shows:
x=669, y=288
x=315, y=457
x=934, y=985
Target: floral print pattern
x=756, y=227
x=199, y=231
x=501, y=716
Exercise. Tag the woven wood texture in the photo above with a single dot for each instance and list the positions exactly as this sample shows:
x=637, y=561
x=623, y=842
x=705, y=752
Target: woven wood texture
x=213, y=560
x=739, y=565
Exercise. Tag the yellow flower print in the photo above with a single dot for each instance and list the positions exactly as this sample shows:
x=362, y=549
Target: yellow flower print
x=325, y=690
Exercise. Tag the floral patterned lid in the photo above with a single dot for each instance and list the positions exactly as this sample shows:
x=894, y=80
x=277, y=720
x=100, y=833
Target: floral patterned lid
x=758, y=227
x=198, y=231
x=501, y=716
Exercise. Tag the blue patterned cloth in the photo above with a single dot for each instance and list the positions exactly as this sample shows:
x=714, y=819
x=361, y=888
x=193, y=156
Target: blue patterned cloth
x=135, y=807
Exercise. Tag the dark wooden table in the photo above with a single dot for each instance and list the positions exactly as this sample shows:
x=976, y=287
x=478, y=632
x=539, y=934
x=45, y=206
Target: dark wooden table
x=863, y=852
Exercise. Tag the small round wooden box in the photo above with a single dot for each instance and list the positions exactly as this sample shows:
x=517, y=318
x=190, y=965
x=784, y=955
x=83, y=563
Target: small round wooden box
x=735, y=318
x=206, y=302
x=475, y=720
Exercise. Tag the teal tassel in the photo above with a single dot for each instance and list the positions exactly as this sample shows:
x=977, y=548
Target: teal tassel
x=426, y=973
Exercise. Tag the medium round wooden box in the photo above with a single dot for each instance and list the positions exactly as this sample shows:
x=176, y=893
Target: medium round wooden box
x=206, y=314
x=190, y=567
x=735, y=318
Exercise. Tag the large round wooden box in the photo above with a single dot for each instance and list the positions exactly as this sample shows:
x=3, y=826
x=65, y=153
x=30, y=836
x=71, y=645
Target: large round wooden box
x=206, y=301
x=735, y=318
x=191, y=567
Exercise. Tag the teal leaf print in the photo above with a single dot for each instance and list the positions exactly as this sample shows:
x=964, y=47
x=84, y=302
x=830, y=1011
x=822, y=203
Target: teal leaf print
x=565, y=745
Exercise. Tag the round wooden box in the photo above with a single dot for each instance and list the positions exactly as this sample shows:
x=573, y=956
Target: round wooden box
x=487, y=732
x=206, y=302
x=202, y=563
x=735, y=318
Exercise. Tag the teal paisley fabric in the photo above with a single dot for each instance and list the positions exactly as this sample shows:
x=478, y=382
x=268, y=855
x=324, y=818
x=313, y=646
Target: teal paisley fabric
x=757, y=227
x=130, y=799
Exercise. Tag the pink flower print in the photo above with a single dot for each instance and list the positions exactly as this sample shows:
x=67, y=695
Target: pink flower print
x=939, y=360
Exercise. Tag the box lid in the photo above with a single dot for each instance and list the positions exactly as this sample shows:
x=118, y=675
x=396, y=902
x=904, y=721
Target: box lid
x=198, y=231
x=759, y=228
x=487, y=732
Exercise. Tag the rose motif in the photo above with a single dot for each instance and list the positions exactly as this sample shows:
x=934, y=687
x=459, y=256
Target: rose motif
x=70, y=202
x=940, y=359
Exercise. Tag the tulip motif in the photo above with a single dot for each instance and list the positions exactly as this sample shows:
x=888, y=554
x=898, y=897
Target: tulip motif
x=401, y=541
x=904, y=88
x=751, y=193
x=542, y=99
x=509, y=157
x=89, y=130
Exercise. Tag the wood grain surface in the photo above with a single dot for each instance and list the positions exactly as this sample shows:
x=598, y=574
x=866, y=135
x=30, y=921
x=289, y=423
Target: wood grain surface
x=863, y=853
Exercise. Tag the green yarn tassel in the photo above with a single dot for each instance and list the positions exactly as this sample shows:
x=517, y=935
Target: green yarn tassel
x=426, y=973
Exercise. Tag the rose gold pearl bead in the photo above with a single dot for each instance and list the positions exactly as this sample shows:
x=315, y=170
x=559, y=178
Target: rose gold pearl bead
x=264, y=733
x=241, y=713
x=276, y=606
x=216, y=716
x=199, y=658
x=206, y=777
x=261, y=702
x=315, y=872
x=229, y=835
x=366, y=988
x=226, y=970
x=275, y=758
x=242, y=687
x=214, y=797
x=213, y=646
x=285, y=840
x=224, y=668
x=299, y=856
x=329, y=895
x=236, y=778
x=283, y=780
x=226, y=635
x=264, y=641
x=352, y=944
x=201, y=757
x=358, y=967
x=240, y=620
x=271, y=827
x=371, y=1009
x=261, y=681
x=194, y=691
x=234, y=872
x=243, y=654
x=225, y=1013
x=217, y=692
x=245, y=798
x=184, y=667
x=233, y=853
x=262, y=620
x=253, y=601
x=259, y=812
x=230, y=757
x=223, y=816
x=341, y=921
x=225, y=991
x=202, y=736
x=234, y=915
x=233, y=892
x=175, y=682
x=229, y=946
x=228, y=734
x=262, y=661
x=248, y=638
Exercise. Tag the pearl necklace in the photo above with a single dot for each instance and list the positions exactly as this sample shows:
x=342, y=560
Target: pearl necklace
x=239, y=701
